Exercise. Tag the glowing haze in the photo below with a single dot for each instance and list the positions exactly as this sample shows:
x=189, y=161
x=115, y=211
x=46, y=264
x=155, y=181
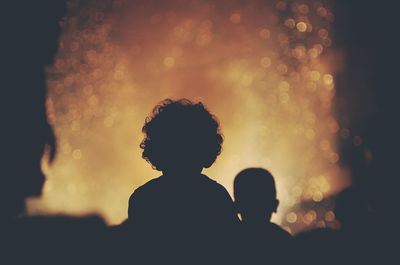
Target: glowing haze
x=259, y=67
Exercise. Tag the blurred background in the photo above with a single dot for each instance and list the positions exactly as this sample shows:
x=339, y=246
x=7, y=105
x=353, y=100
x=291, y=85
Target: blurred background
x=305, y=89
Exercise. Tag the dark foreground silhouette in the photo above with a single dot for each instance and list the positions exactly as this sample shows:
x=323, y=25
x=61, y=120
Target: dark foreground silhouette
x=262, y=241
x=358, y=241
x=31, y=39
x=183, y=216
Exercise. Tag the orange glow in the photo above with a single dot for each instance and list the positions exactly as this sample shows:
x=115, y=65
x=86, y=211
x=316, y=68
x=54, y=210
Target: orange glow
x=265, y=81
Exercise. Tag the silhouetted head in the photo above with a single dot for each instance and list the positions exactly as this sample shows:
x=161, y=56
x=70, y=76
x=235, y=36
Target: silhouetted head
x=181, y=137
x=255, y=195
x=33, y=30
x=31, y=40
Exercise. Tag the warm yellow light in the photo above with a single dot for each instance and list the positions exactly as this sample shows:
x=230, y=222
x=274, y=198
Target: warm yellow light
x=301, y=26
x=265, y=34
x=247, y=79
x=291, y=217
x=252, y=67
x=169, y=62
x=328, y=79
x=77, y=154
x=265, y=62
x=315, y=75
x=329, y=216
x=317, y=196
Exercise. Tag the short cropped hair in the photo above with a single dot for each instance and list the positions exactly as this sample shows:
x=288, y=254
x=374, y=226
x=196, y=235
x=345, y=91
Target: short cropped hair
x=254, y=186
x=181, y=134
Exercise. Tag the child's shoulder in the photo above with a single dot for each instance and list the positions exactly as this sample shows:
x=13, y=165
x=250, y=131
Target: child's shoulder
x=147, y=187
x=152, y=183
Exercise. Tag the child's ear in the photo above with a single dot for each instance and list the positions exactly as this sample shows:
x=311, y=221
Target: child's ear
x=276, y=204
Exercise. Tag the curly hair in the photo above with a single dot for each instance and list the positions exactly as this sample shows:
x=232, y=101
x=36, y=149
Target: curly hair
x=181, y=134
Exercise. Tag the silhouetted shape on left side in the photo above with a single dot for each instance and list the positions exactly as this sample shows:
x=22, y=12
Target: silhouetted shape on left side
x=30, y=40
x=182, y=216
x=30, y=31
x=262, y=241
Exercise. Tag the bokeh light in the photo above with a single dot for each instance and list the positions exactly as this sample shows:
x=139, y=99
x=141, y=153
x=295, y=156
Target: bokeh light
x=259, y=66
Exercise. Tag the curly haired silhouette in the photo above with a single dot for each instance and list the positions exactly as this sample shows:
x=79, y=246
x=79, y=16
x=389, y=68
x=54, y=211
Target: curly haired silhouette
x=182, y=209
x=181, y=135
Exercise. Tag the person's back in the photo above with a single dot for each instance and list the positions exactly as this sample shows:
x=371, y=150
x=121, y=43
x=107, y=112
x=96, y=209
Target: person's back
x=265, y=243
x=182, y=214
x=181, y=201
x=261, y=240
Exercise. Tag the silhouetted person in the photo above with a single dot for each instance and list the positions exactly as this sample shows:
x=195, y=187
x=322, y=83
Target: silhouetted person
x=318, y=246
x=183, y=215
x=262, y=241
x=30, y=33
x=30, y=36
x=356, y=242
x=358, y=238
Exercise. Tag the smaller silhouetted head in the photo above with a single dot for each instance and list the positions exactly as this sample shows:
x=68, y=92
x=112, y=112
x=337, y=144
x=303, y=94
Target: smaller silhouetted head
x=181, y=137
x=255, y=195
